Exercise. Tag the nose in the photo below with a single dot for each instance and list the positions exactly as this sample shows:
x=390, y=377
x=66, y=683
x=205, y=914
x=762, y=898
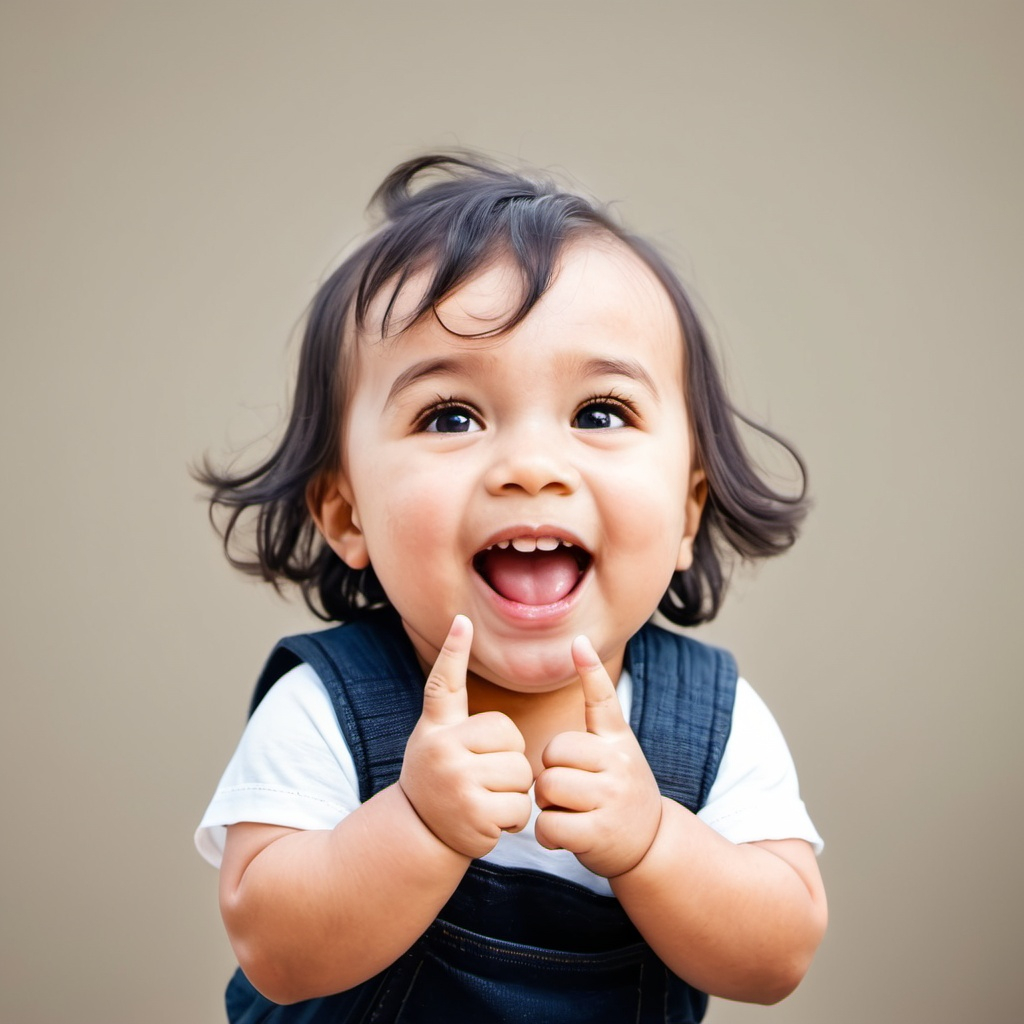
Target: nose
x=529, y=462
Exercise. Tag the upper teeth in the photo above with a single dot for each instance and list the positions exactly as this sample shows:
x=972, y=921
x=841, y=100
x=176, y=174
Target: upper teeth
x=533, y=543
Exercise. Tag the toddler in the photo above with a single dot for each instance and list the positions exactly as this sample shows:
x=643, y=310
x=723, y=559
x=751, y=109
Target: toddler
x=497, y=791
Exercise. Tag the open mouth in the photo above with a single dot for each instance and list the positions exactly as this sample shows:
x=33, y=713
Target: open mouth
x=532, y=570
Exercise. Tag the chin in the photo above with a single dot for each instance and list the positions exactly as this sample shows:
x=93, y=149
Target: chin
x=529, y=673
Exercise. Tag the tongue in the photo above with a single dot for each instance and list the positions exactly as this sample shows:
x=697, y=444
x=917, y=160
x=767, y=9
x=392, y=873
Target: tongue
x=536, y=577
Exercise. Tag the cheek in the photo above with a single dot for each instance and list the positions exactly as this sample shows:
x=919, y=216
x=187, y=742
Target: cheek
x=645, y=517
x=652, y=486
x=408, y=515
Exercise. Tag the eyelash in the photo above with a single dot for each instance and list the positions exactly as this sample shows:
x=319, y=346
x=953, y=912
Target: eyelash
x=610, y=399
x=429, y=413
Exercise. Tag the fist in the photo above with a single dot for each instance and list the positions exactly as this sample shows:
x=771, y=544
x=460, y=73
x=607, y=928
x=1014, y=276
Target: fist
x=597, y=793
x=467, y=776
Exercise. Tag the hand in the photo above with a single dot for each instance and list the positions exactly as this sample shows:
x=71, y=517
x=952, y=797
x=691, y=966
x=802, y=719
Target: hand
x=597, y=794
x=467, y=776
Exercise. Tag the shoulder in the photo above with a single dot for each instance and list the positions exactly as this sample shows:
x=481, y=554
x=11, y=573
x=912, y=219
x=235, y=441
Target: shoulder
x=756, y=793
x=365, y=653
x=682, y=705
x=671, y=669
x=299, y=699
x=291, y=767
x=294, y=726
x=681, y=670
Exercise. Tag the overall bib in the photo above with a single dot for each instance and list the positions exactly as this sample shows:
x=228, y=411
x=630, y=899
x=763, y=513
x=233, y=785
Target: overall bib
x=511, y=944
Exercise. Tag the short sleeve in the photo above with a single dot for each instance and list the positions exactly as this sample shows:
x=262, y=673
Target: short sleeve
x=756, y=795
x=291, y=767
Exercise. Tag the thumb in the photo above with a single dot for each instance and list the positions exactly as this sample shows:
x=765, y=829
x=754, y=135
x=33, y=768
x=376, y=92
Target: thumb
x=602, y=709
x=444, y=696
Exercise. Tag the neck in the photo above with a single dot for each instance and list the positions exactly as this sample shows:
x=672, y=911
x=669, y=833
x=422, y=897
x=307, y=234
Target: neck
x=487, y=696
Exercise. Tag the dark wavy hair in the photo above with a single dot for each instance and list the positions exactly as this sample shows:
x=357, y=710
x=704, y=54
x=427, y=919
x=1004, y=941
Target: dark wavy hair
x=455, y=214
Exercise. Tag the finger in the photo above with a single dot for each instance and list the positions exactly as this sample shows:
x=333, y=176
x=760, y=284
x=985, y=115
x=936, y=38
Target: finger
x=491, y=731
x=562, y=830
x=565, y=789
x=444, y=695
x=511, y=811
x=601, y=704
x=503, y=773
x=575, y=750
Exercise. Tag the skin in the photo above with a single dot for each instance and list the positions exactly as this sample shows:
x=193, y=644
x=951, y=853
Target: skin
x=576, y=428
x=419, y=504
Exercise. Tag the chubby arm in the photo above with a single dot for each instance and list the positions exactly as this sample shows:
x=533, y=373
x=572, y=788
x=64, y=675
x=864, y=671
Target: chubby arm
x=312, y=913
x=740, y=921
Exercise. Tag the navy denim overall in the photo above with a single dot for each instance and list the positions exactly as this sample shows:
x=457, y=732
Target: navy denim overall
x=552, y=952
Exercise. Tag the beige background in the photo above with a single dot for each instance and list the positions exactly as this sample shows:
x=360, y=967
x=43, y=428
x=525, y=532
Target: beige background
x=841, y=183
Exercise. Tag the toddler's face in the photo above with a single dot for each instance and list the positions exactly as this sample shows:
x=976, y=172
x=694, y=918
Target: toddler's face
x=540, y=482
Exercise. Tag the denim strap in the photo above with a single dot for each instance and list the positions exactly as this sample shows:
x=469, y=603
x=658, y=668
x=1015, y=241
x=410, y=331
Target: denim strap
x=375, y=683
x=683, y=693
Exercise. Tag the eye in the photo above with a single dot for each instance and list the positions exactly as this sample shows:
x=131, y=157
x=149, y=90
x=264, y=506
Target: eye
x=601, y=415
x=449, y=419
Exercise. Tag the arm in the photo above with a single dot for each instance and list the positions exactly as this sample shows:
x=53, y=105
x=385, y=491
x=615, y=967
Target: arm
x=741, y=921
x=311, y=913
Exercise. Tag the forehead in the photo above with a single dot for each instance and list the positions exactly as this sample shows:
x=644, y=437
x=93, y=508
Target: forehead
x=602, y=297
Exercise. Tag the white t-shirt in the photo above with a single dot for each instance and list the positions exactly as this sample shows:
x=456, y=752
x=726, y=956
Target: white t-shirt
x=292, y=767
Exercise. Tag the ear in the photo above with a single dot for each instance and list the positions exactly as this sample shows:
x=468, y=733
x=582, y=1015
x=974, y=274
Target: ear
x=696, y=495
x=330, y=503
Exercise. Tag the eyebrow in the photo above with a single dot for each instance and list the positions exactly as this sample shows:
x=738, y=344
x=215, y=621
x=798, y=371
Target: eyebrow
x=629, y=368
x=424, y=368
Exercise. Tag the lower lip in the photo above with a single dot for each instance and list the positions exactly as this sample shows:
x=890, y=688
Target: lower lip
x=541, y=614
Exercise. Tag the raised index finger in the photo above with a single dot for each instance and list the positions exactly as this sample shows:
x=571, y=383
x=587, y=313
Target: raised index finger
x=444, y=695
x=601, y=703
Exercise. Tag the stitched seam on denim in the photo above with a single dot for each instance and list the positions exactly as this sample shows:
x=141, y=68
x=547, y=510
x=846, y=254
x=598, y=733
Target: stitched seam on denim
x=408, y=991
x=503, y=952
